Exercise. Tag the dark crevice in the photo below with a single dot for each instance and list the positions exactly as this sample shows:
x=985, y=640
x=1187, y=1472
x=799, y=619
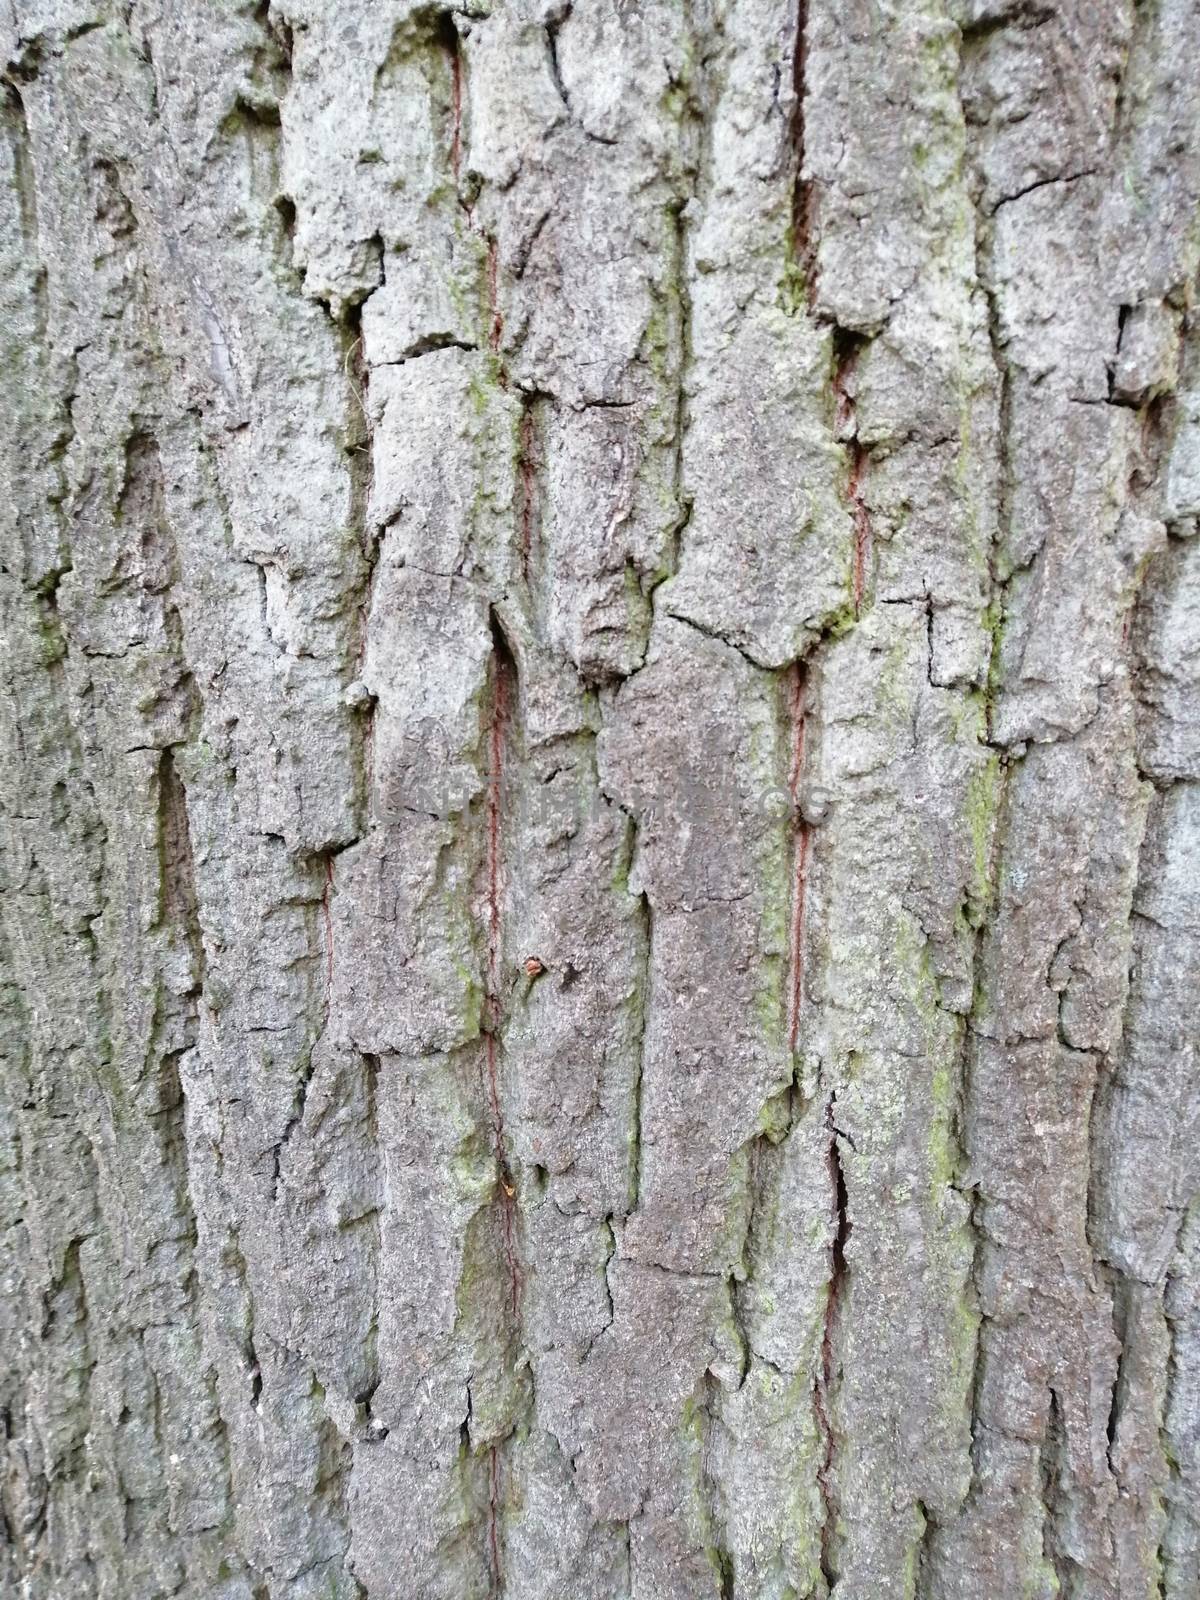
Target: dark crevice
x=929, y=650
x=998, y=558
x=1123, y=314
x=530, y=454
x=1042, y=183
x=464, y=1427
x=327, y=892
x=734, y=1284
x=495, y=1512
x=804, y=192
x=1051, y=1463
x=1114, y=1409
x=495, y=312
x=258, y=113
x=683, y=314
x=179, y=905
x=924, y=1561
x=645, y=923
x=525, y=247
x=372, y=1429
x=713, y=1510
x=635, y=1129
x=447, y=39
x=360, y=453
x=1147, y=16
x=254, y=1370
x=797, y=723
x=709, y=632
x=829, y=1369
x=499, y=745
x=848, y=347
x=322, y=864
x=431, y=344
x=1023, y=15
x=1177, y=1389
x=23, y=67
x=286, y=207
x=371, y=1066
x=553, y=25
x=728, y=1590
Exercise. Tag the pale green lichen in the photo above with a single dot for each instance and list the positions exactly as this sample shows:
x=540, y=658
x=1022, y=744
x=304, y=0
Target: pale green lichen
x=895, y=690
x=980, y=806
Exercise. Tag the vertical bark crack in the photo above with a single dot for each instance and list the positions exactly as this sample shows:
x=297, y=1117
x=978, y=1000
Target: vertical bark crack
x=449, y=41
x=530, y=449
x=823, y=1391
x=847, y=348
x=797, y=691
x=493, y=1521
x=503, y=694
x=803, y=189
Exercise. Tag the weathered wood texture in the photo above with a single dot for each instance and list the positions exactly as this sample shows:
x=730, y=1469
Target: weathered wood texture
x=601, y=800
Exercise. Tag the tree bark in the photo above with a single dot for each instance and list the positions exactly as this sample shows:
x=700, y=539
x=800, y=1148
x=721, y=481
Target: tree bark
x=601, y=835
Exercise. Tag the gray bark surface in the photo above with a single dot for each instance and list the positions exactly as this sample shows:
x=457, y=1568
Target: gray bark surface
x=600, y=779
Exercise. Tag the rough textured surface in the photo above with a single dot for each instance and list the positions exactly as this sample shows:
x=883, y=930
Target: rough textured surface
x=601, y=800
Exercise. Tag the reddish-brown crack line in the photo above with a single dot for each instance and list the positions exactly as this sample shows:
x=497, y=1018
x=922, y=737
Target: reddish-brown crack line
x=502, y=672
x=862, y=524
x=495, y=316
x=508, y=1230
x=495, y=332
x=797, y=712
x=528, y=475
x=494, y=1519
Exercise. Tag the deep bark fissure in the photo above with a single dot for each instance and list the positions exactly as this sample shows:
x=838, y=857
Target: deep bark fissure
x=336, y=692
x=824, y=1391
x=499, y=732
x=847, y=350
x=530, y=451
x=797, y=706
x=494, y=1521
x=804, y=192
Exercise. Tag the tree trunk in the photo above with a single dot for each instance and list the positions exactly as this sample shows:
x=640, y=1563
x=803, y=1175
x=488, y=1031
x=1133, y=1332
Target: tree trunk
x=601, y=851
